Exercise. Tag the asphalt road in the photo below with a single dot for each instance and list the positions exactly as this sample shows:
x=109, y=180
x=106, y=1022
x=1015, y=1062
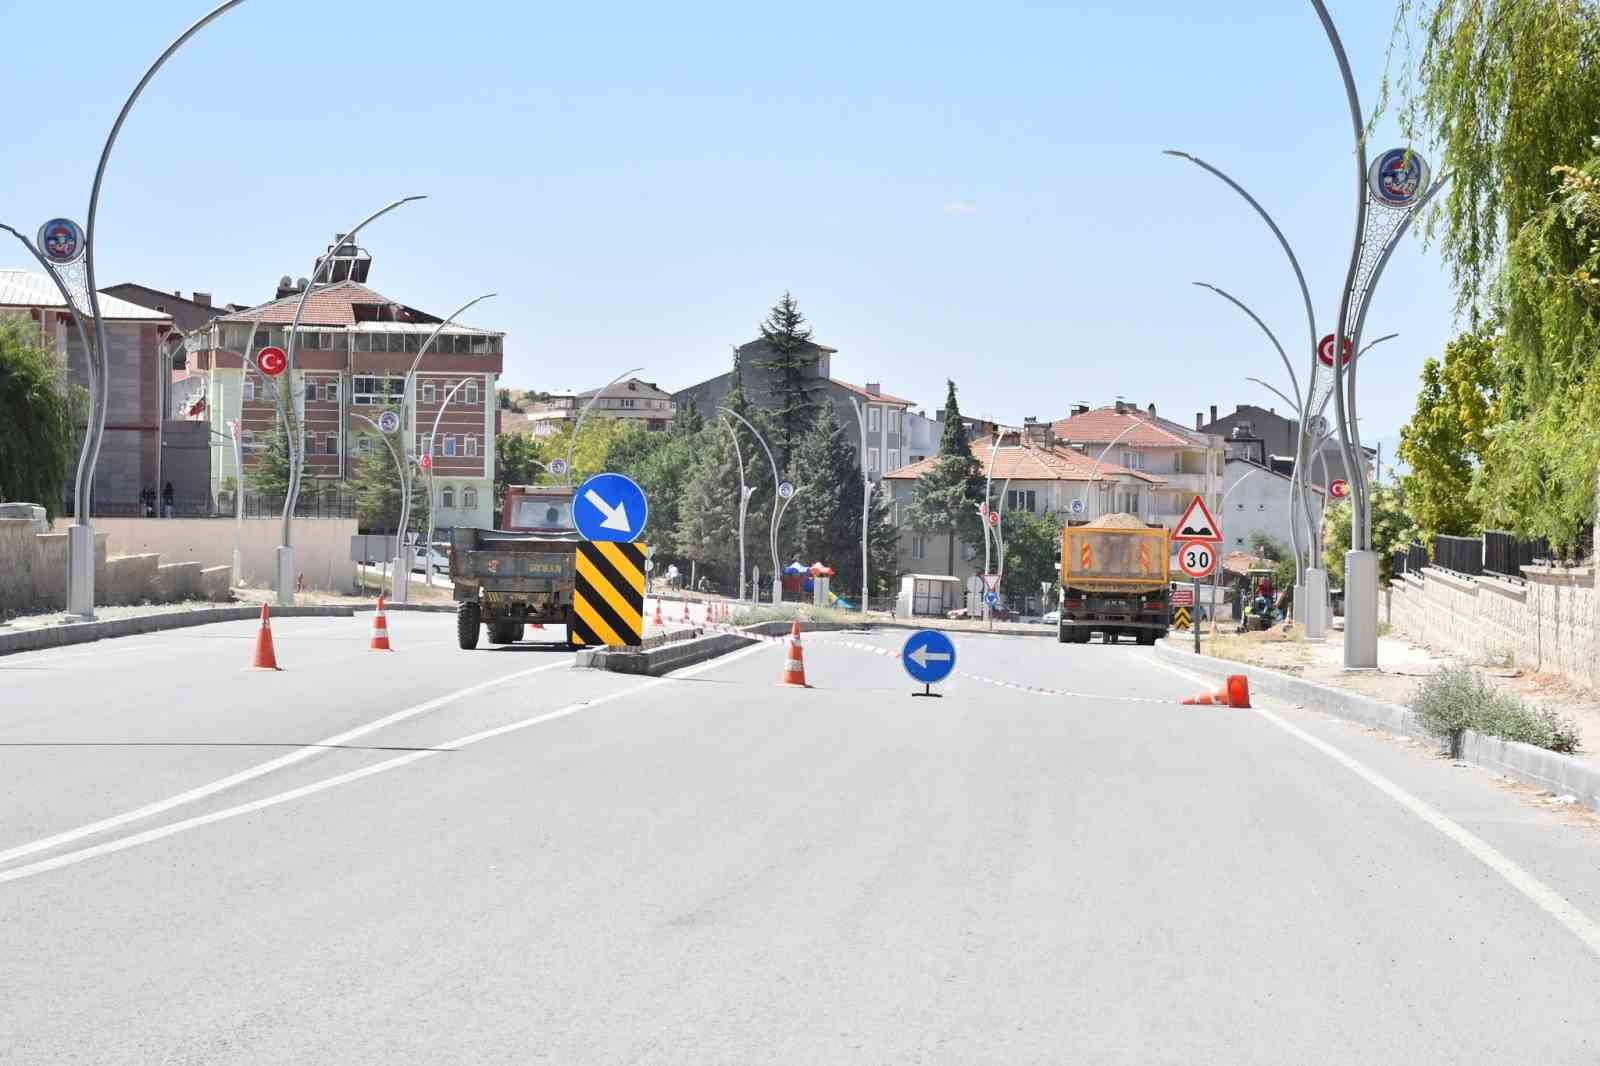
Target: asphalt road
x=437, y=856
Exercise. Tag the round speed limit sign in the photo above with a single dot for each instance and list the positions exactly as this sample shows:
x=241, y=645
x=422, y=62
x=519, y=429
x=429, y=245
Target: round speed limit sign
x=1197, y=558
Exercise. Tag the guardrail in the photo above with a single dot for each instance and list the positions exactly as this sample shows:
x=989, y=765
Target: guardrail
x=1464, y=555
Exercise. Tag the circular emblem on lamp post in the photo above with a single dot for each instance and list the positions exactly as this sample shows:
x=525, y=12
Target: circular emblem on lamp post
x=272, y=361
x=1325, y=351
x=1318, y=425
x=1398, y=177
x=558, y=467
x=785, y=490
x=61, y=241
x=388, y=422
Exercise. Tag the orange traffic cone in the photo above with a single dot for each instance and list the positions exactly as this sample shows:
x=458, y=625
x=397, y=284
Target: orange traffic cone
x=794, y=665
x=657, y=622
x=686, y=610
x=380, y=629
x=1236, y=693
x=265, y=659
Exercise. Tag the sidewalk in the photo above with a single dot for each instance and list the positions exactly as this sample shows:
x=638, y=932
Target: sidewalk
x=1402, y=664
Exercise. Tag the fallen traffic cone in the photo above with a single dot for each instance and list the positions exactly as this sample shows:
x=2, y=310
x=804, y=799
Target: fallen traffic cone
x=1236, y=693
x=265, y=659
x=794, y=665
x=380, y=629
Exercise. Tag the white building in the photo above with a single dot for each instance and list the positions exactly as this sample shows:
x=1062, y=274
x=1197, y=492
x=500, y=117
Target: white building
x=643, y=401
x=1189, y=463
x=1256, y=499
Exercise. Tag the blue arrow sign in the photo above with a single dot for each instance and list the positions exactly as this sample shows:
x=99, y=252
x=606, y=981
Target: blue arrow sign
x=928, y=656
x=991, y=598
x=610, y=507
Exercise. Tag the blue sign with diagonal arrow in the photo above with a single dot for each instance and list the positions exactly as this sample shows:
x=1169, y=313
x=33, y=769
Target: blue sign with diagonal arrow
x=928, y=656
x=610, y=507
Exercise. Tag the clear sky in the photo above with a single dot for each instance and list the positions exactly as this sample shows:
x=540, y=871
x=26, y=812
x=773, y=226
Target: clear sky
x=972, y=191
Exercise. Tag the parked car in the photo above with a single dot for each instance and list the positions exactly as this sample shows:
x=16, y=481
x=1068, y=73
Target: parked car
x=421, y=557
x=1000, y=613
x=1052, y=618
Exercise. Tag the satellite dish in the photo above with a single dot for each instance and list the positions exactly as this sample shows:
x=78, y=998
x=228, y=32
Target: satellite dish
x=302, y=284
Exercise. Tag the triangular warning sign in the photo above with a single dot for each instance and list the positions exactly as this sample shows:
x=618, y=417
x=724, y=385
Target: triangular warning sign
x=990, y=581
x=1197, y=523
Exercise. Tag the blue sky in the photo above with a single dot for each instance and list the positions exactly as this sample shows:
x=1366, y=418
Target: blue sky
x=948, y=190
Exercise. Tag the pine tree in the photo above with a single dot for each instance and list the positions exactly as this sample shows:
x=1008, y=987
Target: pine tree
x=269, y=474
x=953, y=439
x=792, y=361
x=828, y=503
x=376, y=486
x=945, y=499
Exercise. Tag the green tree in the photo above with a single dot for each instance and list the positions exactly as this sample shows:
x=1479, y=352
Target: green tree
x=1391, y=529
x=792, y=361
x=1033, y=552
x=953, y=439
x=1264, y=545
x=378, y=492
x=942, y=503
x=660, y=463
x=37, y=438
x=1448, y=435
x=269, y=474
x=514, y=458
x=829, y=508
x=594, y=441
x=1509, y=90
x=708, y=523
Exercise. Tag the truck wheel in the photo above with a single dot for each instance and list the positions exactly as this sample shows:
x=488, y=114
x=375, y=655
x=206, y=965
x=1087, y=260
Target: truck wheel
x=469, y=618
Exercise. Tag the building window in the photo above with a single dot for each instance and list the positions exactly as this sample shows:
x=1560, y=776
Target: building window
x=330, y=391
x=469, y=395
x=427, y=393
x=311, y=392
x=247, y=440
x=1128, y=502
x=1021, y=500
x=369, y=390
x=919, y=546
x=469, y=499
x=333, y=444
x=969, y=552
x=472, y=445
x=425, y=444
x=872, y=460
x=249, y=389
x=626, y=403
x=450, y=445
x=893, y=455
x=363, y=445
x=1133, y=460
x=447, y=498
x=872, y=418
x=309, y=445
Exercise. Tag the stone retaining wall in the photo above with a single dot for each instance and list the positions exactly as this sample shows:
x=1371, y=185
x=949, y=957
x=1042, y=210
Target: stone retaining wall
x=1547, y=624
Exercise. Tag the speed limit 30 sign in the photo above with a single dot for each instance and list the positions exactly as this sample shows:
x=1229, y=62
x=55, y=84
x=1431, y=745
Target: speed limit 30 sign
x=1197, y=558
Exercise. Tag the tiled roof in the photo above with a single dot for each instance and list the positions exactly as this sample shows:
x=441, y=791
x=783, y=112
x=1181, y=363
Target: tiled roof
x=874, y=397
x=632, y=387
x=328, y=305
x=1102, y=425
x=1031, y=462
x=24, y=288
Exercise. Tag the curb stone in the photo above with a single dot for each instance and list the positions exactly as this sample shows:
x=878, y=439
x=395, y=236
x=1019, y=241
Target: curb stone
x=1548, y=770
x=88, y=632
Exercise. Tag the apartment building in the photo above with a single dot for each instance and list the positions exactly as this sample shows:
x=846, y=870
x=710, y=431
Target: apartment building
x=644, y=402
x=355, y=346
x=1188, y=462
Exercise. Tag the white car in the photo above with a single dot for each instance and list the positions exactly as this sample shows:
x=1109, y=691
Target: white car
x=421, y=558
x=1051, y=618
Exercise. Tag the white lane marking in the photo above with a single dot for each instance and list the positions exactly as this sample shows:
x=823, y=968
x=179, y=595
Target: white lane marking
x=260, y=769
x=72, y=858
x=1536, y=891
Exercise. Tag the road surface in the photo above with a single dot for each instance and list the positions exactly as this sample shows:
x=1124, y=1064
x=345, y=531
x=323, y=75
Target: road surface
x=438, y=856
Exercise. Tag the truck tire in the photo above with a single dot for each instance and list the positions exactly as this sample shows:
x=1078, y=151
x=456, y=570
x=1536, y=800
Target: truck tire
x=469, y=619
x=505, y=632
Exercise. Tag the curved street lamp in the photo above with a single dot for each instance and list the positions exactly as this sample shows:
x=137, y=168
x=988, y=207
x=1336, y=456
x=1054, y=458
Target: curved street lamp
x=777, y=573
x=296, y=451
x=744, y=496
x=433, y=500
x=400, y=467
x=572, y=445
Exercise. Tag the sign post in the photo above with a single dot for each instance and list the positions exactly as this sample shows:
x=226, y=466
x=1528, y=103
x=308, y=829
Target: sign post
x=1199, y=536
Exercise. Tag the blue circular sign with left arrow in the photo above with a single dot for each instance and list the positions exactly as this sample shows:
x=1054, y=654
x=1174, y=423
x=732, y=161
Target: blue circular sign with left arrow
x=928, y=656
x=610, y=507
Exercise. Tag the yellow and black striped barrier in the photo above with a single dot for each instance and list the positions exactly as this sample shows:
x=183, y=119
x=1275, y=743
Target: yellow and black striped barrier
x=1180, y=618
x=608, y=601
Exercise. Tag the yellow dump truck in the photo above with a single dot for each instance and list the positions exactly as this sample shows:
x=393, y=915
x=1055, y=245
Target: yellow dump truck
x=1113, y=580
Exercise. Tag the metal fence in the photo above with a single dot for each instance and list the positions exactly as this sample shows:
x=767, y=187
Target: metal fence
x=307, y=505
x=1506, y=554
x=330, y=504
x=1464, y=555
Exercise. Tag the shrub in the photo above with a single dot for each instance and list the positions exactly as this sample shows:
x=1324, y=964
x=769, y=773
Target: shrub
x=1455, y=699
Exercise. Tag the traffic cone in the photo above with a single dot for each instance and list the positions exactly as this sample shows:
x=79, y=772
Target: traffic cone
x=686, y=610
x=658, y=621
x=380, y=629
x=1235, y=693
x=794, y=665
x=265, y=659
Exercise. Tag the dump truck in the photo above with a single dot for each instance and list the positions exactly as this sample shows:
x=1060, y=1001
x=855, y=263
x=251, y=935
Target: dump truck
x=522, y=573
x=1113, y=580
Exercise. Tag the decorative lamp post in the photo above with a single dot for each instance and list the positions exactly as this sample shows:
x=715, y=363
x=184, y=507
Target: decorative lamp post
x=777, y=571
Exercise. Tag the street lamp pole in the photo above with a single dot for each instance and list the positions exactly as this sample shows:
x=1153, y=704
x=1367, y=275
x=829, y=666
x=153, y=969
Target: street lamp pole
x=866, y=499
x=744, y=497
x=983, y=514
x=399, y=465
x=1098, y=463
x=433, y=501
x=296, y=451
x=777, y=573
